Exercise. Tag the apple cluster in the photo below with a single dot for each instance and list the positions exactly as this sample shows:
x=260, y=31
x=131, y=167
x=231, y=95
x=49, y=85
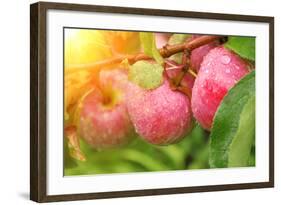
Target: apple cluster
x=118, y=110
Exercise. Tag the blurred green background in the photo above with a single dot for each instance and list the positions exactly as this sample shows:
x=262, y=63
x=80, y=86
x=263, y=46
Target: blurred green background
x=139, y=156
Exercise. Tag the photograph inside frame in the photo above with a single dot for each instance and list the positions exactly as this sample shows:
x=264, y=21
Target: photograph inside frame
x=139, y=101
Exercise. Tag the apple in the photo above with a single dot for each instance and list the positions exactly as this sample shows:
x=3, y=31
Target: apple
x=160, y=116
x=104, y=120
x=220, y=70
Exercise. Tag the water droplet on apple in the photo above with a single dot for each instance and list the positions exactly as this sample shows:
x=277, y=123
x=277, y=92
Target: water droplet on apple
x=237, y=67
x=225, y=59
x=227, y=70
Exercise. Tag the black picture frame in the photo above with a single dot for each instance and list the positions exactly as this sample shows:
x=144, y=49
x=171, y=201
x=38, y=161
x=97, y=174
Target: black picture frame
x=38, y=103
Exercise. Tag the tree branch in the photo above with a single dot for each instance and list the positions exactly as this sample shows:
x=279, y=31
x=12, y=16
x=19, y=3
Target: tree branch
x=166, y=52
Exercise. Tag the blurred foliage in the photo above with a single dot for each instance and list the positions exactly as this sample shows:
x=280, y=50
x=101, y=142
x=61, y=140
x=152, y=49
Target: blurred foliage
x=79, y=44
x=139, y=156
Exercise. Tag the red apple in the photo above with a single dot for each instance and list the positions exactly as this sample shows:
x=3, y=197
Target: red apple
x=104, y=121
x=160, y=116
x=219, y=71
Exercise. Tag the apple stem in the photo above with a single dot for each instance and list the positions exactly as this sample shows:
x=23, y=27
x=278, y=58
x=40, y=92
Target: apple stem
x=186, y=65
x=192, y=73
x=184, y=90
x=175, y=83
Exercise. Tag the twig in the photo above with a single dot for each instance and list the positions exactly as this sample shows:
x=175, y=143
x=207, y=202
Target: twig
x=186, y=64
x=166, y=52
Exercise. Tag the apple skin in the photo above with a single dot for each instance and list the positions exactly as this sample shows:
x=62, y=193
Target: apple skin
x=104, y=120
x=198, y=54
x=220, y=70
x=160, y=116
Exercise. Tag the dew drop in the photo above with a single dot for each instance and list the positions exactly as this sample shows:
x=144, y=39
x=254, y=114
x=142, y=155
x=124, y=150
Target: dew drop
x=225, y=59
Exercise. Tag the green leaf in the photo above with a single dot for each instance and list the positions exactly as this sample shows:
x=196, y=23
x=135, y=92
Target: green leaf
x=233, y=130
x=244, y=46
x=177, y=39
x=149, y=47
x=242, y=143
x=145, y=74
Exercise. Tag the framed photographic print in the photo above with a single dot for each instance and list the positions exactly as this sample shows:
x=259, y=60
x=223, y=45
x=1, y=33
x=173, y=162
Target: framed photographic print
x=134, y=102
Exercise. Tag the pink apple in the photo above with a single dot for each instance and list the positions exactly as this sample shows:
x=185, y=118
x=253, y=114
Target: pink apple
x=104, y=121
x=219, y=71
x=160, y=116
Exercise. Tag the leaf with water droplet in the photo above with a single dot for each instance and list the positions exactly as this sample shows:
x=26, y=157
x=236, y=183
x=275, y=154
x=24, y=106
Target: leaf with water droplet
x=244, y=46
x=146, y=74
